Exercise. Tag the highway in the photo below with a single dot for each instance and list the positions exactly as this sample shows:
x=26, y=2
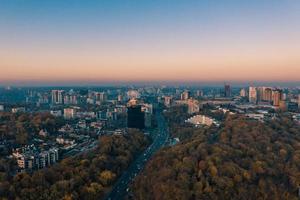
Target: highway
x=120, y=188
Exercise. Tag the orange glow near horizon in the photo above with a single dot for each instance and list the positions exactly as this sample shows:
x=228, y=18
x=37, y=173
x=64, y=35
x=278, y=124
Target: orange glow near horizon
x=170, y=66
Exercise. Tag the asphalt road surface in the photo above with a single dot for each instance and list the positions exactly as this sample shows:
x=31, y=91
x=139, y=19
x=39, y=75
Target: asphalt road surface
x=120, y=188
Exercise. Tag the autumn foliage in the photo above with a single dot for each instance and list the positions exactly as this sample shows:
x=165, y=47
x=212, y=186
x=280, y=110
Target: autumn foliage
x=244, y=159
x=88, y=176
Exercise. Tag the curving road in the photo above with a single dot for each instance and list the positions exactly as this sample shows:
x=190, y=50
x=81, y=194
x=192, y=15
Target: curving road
x=120, y=188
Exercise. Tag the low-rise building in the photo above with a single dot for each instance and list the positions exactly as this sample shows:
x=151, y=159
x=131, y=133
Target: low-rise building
x=167, y=101
x=69, y=113
x=147, y=108
x=56, y=113
x=85, y=114
x=256, y=116
x=193, y=106
x=198, y=120
x=18, y=110
x=63, y=141
x=66, y=129
x=31, y=158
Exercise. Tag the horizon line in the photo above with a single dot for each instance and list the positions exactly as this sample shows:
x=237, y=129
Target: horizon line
x=148, y=83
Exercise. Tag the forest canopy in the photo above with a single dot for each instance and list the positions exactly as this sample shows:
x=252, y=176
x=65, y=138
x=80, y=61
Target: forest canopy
x=88, y=176
x=244, y=159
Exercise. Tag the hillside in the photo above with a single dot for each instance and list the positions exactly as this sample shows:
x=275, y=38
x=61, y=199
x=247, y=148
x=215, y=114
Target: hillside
x=243, y=160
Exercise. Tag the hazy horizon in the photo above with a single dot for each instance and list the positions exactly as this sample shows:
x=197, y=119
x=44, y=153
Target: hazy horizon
x=153, y=83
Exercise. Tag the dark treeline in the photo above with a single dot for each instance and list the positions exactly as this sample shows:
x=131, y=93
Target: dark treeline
x=88, y=176
x=244, y=159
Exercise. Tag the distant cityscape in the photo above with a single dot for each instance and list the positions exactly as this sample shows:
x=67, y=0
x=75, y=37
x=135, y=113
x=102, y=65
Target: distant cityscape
x=149, y=100
x=89, y=113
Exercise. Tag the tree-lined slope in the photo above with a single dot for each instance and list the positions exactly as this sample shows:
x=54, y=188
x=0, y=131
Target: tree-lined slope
x=243, y=160
x=88, y=176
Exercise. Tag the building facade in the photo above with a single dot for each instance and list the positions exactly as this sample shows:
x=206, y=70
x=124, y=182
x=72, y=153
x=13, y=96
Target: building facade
x=32, y=159
x=185, y=95
x=57, y=96
x=227, y=90
x=252, y=95
x=135, y=117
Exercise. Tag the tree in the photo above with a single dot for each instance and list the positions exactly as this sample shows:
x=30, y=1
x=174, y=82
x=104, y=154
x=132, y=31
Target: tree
x=106, y=177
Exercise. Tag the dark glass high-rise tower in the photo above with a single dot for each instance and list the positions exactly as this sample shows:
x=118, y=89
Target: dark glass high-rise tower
x=135, y=117
x=227, y=92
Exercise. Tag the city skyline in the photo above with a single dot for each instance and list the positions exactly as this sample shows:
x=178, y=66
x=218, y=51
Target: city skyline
x=79, y=42
x=149, y=99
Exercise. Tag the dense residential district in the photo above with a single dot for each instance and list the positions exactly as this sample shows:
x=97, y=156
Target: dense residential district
x=122, y=142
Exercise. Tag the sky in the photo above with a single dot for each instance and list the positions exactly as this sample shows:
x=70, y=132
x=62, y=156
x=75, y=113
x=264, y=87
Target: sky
x=100, y=41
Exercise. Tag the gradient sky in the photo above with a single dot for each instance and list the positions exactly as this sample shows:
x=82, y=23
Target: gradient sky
x=82, y=41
